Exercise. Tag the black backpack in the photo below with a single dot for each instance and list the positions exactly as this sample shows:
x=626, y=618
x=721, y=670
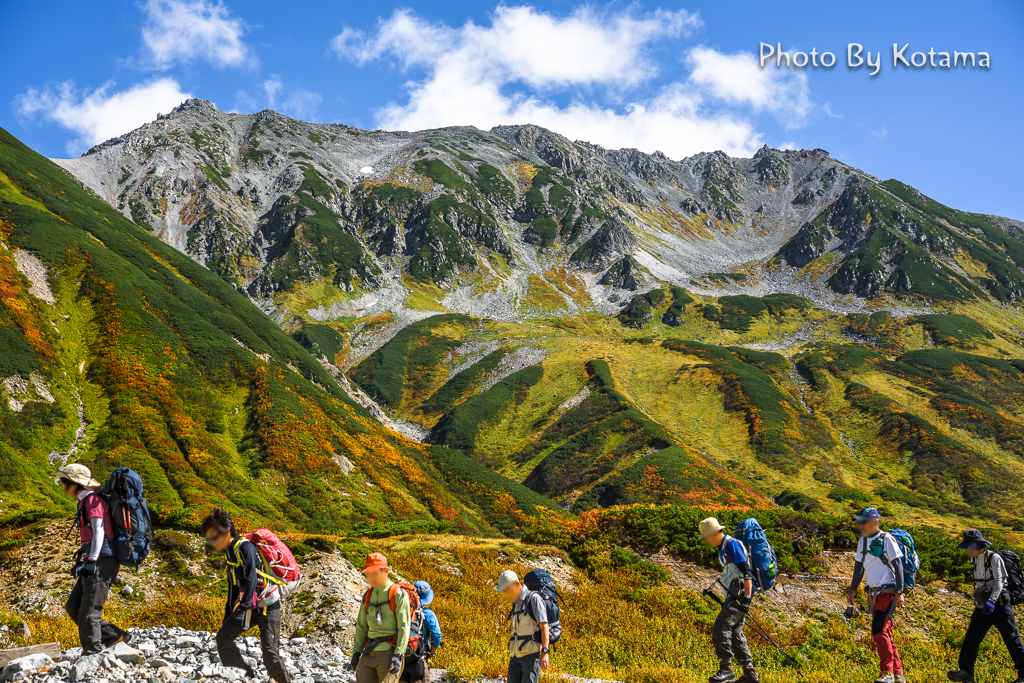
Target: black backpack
x=541, y=582
x=1014, y=586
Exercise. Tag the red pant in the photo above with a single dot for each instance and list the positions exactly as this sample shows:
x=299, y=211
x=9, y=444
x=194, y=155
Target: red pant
x=881, y=632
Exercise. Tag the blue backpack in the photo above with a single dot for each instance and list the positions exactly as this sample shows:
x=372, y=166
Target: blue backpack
x=764, y=564
x=128, y=510
x=910, y=560
x=541, y=582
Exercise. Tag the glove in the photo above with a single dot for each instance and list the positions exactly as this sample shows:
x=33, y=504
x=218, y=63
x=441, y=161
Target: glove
x=355, y=660
x=86, y=569
x=236, y=618
x=745, y=601
x=989, y=608
x=396, y=664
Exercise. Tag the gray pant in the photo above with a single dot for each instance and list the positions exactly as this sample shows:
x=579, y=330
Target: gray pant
x=727, y=634
x=524, y=669
x=270, y=643
x=85, y=606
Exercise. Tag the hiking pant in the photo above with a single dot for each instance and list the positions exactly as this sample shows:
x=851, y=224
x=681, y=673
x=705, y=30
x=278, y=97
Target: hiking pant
x=85, y=606
x=415, y=669
x=727, y=634
x=1005, y=622
x=270, y=643
x=881, y=633
x=375, y=667
x=524, y=669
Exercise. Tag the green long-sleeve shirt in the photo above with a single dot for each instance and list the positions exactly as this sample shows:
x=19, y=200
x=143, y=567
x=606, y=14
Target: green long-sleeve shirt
x=391, y=623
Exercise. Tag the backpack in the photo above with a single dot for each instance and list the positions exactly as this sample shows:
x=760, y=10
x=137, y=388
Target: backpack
x=129, y=513
x=911, y=561
x=1014, y=586
x=541, y=582
x=280, y=573
x=764, y=563
x=417, y=640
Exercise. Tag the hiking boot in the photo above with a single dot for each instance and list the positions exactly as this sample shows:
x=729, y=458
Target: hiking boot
x=887, y=677
x=960, y=676
x=900, y=678
x=749, y=675
x=724, y=675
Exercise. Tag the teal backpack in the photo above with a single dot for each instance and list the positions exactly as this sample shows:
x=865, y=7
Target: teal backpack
x=911, y=561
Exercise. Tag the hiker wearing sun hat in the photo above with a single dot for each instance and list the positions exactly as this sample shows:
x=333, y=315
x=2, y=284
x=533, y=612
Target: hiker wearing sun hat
x=737, y=580
x=96, y=566
x=382, y=626
x=427, y=634
x=530, y=643
x=992, y=607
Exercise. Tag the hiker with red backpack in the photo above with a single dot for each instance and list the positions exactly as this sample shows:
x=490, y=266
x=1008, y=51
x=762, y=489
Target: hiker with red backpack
x=425, y=632
x=96, y=564
x=261, y=571
x=997, y=580
x=383, y=626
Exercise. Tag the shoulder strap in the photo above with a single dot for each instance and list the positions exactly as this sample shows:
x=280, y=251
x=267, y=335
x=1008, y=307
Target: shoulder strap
x=393, y=598
x=366, y=599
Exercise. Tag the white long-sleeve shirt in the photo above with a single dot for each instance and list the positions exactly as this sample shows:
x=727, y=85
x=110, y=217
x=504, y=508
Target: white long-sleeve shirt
x=98, y=532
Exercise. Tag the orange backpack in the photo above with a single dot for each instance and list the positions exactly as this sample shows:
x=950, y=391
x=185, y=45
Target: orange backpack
x=415, y=612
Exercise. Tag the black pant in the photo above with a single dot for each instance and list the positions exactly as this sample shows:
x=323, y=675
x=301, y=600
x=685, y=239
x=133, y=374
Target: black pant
x=270, y=642
x=1005, y=622
x=85, y=606
x=524, y=669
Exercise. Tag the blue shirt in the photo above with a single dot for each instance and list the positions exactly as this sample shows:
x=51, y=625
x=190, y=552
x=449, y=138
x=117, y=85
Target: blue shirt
x=732, y=552
x=433, y=628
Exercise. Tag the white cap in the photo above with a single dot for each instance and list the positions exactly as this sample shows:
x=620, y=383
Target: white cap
x=507, y=578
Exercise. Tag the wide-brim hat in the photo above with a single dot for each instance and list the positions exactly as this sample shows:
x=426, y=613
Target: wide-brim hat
x=973, y=540
x=425, y=592
x=78, y=474
x=710, y=526
x=375, y=562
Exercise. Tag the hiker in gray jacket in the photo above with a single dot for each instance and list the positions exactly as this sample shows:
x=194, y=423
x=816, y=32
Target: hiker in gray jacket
x=991, y=608
x=529, y=646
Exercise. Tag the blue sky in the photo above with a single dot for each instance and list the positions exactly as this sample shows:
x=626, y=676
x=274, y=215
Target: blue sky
x=678, y=77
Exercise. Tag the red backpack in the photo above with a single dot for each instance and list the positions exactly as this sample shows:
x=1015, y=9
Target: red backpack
x=280, y=573
x=415, y=612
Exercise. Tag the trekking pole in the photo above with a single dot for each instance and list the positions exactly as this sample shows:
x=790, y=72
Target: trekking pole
x=760, y=630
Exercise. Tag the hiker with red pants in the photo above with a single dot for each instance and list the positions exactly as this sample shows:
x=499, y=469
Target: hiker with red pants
x=992, y=607
x=96, y=565
x=878, y=564
x=243, y=609
x=382, y=626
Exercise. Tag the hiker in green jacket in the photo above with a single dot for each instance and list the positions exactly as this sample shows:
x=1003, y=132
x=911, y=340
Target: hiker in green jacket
x=382, y=627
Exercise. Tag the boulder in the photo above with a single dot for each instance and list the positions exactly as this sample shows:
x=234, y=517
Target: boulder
x=19, y=668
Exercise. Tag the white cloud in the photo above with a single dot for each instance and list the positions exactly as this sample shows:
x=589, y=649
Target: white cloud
x=573, y=75
x=271, y=87
x=880, y=132
x=301, y=104
x=101, y=114
x=187, y=31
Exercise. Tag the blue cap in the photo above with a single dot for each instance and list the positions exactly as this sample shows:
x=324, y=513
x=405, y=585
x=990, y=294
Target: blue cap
x=866, y=514
x=425, y=592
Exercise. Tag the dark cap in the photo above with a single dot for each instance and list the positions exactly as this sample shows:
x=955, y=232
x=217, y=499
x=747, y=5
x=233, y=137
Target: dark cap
x=866, y=514
x=973, y=540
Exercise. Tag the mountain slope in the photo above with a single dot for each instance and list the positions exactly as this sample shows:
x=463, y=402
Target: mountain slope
x=125, y=352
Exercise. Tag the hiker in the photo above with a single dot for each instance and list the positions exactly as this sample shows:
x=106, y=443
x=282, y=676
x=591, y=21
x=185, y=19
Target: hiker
x=246, y=607
x=878, y=564
x=991, y=608
x=96, y=564
x=737, y=581
x=382, y=626
x=417, y=660
x=529, y=645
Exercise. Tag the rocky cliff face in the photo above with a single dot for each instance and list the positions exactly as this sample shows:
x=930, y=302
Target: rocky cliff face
x=277, y=205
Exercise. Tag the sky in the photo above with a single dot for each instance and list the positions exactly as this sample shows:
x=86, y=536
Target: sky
x=676, y=77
